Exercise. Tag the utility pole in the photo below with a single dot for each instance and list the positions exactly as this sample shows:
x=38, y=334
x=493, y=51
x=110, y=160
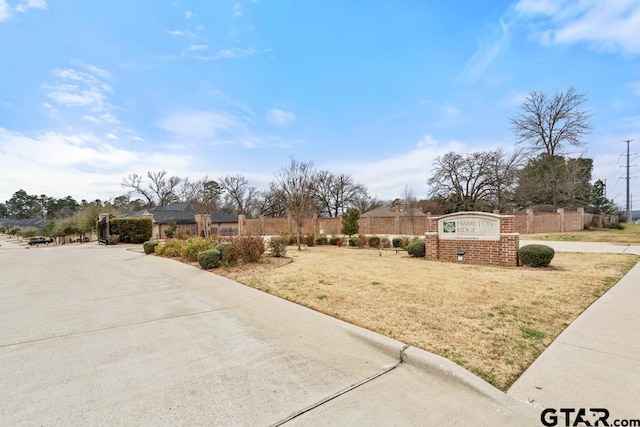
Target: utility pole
x=628, y=179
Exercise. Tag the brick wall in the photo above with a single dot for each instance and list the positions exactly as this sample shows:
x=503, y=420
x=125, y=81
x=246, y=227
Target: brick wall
x=496, y=252
x=526, y=222
x=560, y=221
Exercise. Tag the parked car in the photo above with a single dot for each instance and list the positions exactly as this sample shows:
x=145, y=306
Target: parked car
x=39, y=240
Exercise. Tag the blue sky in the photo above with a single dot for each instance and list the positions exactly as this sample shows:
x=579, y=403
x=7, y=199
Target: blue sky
x=92, y=91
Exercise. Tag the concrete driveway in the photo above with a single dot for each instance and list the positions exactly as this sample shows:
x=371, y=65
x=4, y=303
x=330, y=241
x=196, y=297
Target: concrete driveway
x=94, y=335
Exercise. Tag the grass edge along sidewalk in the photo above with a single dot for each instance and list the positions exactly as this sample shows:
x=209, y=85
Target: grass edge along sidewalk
x=493, y=321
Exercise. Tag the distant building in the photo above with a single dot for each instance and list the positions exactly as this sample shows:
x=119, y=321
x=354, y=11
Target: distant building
x=9, y=223
x=187, y=221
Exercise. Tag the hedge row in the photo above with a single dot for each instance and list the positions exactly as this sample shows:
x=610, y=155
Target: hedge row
x=131, y=230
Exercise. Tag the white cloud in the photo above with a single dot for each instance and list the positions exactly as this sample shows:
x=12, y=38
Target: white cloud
x=97, y=71
x=210, y=127
x=487, y=51
x=546, y=7
x=4, y=10
x=179, y=33
x=278, y=117
x=237, y=9
x=513, y=99
x=427, y=141
x=214, y=127
x=25, y=5
x=604, y=25
x=74, y=96
x=195, y=47
x=235, y=53
x=188, y=14
x=74, y=88
x=232, y=53
x=200, y=125
x=22, y=7
x=385, y=179
x=82, y=165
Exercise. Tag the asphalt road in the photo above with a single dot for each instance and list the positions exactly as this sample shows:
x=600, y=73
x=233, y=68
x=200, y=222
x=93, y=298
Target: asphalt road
x=94, y=335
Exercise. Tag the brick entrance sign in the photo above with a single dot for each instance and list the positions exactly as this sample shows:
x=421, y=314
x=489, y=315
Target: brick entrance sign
x=473, y=237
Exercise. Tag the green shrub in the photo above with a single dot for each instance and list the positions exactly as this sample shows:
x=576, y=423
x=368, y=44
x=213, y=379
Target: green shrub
x=278, y=246
x=171, y=231
x=374, y=242
x=352, y=242
x=350, y=222
x=416, y=249
x=334, y=240
x=397, y=242
x=149, y=247
x=322, y=240
x=617, y=225
x=29, y=232
x=229, y=253
x=171, y=248
x=194, y=245
x=209, y=258
x=131, y=230
x=535, y=255
x=251, y=247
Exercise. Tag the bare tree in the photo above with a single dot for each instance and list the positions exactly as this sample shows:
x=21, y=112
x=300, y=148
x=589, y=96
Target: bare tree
x=411, y=206
x=164, y=187
x=575, y=189
x=335, y=193
x=547, y=124
x=503, y=170
x=133, y=182
x=296, y=189
x=364, y=203
x=463, y=181
x=269, y=202
x=239, y=196
x=203, y=194
x=160, y=190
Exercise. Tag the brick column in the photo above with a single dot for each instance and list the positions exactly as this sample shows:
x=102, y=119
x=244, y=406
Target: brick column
x=431, y=245
x=581, y=212
x=529, y=221
x=241, y=225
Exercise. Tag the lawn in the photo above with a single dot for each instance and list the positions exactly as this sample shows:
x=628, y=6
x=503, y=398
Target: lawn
x=494, y=321
x=630, y=234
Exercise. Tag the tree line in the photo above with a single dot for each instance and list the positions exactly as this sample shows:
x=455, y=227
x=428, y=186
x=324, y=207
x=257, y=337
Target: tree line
x=536, y=172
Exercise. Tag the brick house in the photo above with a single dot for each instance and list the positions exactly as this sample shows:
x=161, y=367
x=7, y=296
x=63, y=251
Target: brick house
x=187, y=220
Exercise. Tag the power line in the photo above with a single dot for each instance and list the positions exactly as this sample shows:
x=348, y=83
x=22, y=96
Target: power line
x=628, y=141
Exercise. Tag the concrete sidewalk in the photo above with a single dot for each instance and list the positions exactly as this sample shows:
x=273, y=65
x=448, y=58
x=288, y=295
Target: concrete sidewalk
x=595, y=362
x=591, y=247
x=95, y=335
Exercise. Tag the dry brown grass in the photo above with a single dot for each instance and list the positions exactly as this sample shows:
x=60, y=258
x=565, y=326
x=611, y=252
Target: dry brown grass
x=629, y=234
x=493, y=321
